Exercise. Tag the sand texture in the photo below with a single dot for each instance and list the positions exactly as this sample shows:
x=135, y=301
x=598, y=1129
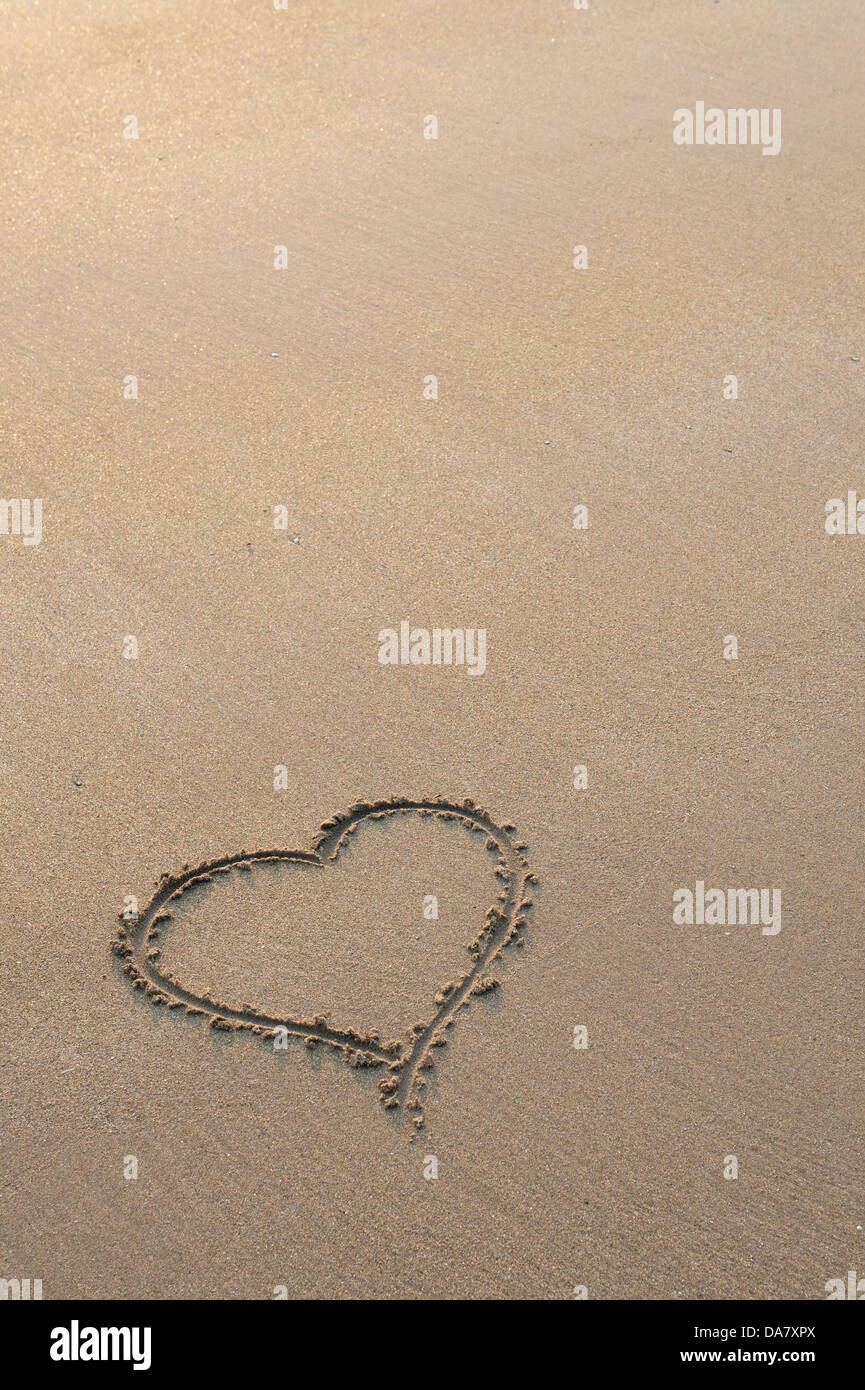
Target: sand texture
x=252, y=708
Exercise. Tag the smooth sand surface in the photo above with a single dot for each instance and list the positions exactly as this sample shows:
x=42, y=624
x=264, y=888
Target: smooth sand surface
x=258, y=648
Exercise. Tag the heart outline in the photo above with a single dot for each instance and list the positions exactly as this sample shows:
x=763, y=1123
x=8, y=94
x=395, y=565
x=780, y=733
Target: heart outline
x=405, y=1059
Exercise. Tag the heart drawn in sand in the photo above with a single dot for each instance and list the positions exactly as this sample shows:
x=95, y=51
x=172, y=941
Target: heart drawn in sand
x=405, y=1059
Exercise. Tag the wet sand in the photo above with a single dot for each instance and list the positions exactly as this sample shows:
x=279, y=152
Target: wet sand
x=303, y=388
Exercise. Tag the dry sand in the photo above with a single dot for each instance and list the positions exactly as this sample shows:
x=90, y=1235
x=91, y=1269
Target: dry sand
x=410, y=257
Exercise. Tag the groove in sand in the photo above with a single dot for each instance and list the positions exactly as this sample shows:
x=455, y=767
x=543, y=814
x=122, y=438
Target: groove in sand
x=406, y=1060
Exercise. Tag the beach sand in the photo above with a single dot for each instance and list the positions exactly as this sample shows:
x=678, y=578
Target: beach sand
x=558, y=1168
